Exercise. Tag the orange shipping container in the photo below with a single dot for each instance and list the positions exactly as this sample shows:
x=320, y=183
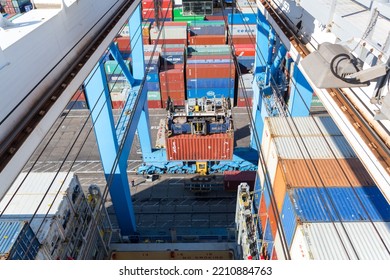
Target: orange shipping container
x=200, y=147
x=263, y=212
x=296, y=173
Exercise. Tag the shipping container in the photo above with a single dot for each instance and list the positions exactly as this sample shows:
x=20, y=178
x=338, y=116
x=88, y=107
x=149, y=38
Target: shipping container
x=172, y=75
x=154, y=95
x=242, y=39
x=154, y=104
x=200, y=147
x=318, y=172
x=338, y=241
x=232, y=179
x=168, y=41
x=207, y=40
x=245, y=50
x=241, y=18
x=174, y=95
x=210, y=71
x=123, y=44
x=197, y=28
x=210, y=59
x=169, y=32
x=149, y=4
x=162, y=13
x=172, y=86
x=208, y=50
x=210, y=83
x=210, y=92
x=244, y=102
x=17, y=241
x=112, y=67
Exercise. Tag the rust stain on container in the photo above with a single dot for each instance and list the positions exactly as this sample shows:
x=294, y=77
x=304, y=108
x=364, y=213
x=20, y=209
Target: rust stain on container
x=200, y=147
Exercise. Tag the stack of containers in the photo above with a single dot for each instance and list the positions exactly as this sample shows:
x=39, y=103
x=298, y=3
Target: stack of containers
x=207, y=33
x=210, y=72
x=16, y=6
x=152, y=83
x=164, y=10
x=317, y=182
x=172, y=77
x=245, y=90
x=123, y=38
x=171, y=33
x=242, y=28
x=117, y=83
x=243, y=33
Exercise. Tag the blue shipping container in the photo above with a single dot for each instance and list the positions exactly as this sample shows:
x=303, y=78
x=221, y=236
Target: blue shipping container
x=246, y=63
x=289, y=222
x=240, y=18
x=332, y=204
x=210, y=83
x=257, y=194
x=210, y=92
x=17, y=241
x=150, y=86
x=153, y=77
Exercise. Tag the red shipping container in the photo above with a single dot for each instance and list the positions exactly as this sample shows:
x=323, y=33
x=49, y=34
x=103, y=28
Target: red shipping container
x=207, y=40
x=242, y=39
x=245, y=49
x=242, y=103
x=172, y=86
x=146, y=41
x=263, y=212
x=163, y=13
x=172, y=75
x=149, y=4
x=153, y=104
x=79, y=96
x=200, y=147
x=174, y=95
x=176, y=102
x=195, y=71
x=123, y=44
x=234, y=178
x=214, y=18
x=117, y=104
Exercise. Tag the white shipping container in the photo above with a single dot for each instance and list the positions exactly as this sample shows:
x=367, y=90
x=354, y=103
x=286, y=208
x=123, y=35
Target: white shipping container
x=307, y=126
x=247, y=80
x=169, y=32
x=243, y=29
x=336, y=241
x=27, y=196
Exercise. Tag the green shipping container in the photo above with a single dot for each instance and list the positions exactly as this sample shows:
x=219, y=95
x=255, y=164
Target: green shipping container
x=178, y=16
x=154, y=95
x=112, y=67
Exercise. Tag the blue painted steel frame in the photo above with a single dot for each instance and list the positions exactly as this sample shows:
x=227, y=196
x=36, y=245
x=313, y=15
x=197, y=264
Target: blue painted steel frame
x=99, y=102
x=114, y=150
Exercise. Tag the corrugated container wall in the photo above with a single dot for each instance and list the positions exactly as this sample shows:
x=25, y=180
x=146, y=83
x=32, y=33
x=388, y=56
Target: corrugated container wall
x=17, y=241
x=218, y=146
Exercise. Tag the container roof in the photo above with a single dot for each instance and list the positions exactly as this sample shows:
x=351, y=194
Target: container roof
x=360, y=240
